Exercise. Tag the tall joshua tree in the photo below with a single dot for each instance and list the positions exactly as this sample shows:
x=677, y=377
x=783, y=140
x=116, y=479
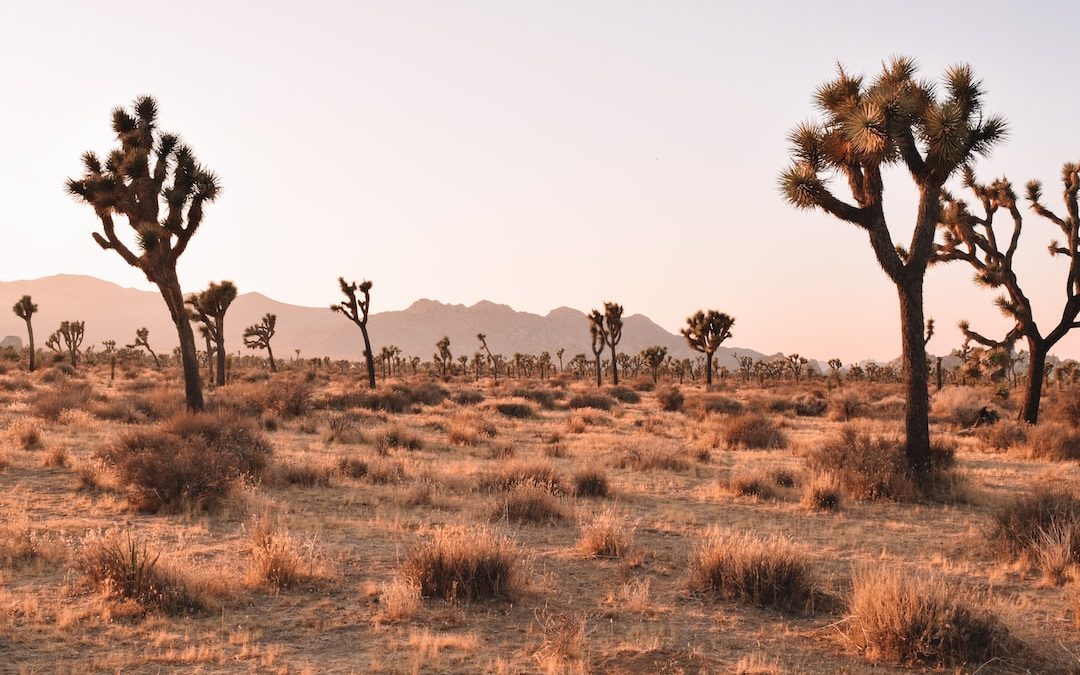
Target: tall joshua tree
x=705, y=332
x=599, y=341
x=209, y=307
x=150, y=173
x=257, y=336
x=866, y=126
x=204, y=332
x=971, y=238
x=613, y=320
x=356, y=310
x=25, y=310
x=72, y=333
x=654, y=356
x=142, y=339
x=445, y=357
x=483, y=345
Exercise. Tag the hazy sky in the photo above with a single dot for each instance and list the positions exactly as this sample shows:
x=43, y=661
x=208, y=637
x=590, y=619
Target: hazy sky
x=537, y=154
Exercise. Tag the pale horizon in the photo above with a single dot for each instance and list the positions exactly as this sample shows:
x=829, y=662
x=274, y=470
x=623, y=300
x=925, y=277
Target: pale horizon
x=494, y=151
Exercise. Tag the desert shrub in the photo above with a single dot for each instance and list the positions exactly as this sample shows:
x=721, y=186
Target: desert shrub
x=191, y=460
x=278, y=560
x=783, y=478
x=306, y=474
x=467, y=563
x=1004, y=435
x=809, y=405
x=1067, y=409
x=125, y=568
x=870, y=468
x=397, y=438
x=398, y=600
x=469, y=397
x=644, y=385
x=386, y=472
x=515, y=410
x=545, y=398
x=523, y=472
x=25, y=434
x=529, y=503
x=67, y=395
x=651, y=459
x=285, y=396
x=594, y=400
x=670, y=398
x=845, y=405
x=904, y=619
x=1016, y=525
x=714, y=404
x=20, y=543
x=752, y=484
x=390, y=401
x=607, y=535
x=467, y=428
x=751, y=569
x=352, y=467
x=624, y=394
x=344, y=428
x=57, y=457
x=822, y=492
x=151, y=406
x=958, y=405
x=590, y=483
x=1054, y=441
x=753, y=431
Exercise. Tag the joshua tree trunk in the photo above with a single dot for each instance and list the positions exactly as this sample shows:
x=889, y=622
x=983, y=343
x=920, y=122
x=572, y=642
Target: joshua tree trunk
x=1037, y=352
x=916, y=422
x=614, y=368
x=270, y=355
x=599, y=376
x=369, y=358
x=169, y=286
x=708, y=370
x=209, y=359
x=30, y=335
x=221, y=353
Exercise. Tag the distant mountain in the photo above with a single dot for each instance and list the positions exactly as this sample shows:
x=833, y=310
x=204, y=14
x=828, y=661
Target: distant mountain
x=113, y=312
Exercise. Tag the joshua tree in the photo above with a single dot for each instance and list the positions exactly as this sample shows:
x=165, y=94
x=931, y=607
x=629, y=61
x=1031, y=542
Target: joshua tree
x=52, y=343
x=483, y=345
x=654, y=356
x=705, y=332
x=599, y=340
x=356, y=310
x=613, y=318
x=835, y=365
x=204, y=332
x=444, y=356
x=868, y=126
x=25, y=310
x=209, y=307
x=971, y=238
x=151, y=170
x=559, y=355
x=110, y=349
x=258, y=336
x=142, y=339
x=796, y=364
x=72, y=333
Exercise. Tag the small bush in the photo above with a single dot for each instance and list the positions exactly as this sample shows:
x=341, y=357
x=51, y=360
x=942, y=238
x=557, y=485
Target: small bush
x=529, y=503
x=714, y=404
x=1054, y=441
x=596, y=401
x=20, y=543
x=515, y=410
x=278, y=560
x=903, y=619
x=753, y=484
x=1004, y=435
x=747, y=568
x=304, y=475
x=845, y=405
x=651, y=459
x=545, y=398
x=670, y=398
x=190, y=461
x=352, y=467
x=343, y=428
x=385, y=472
x=424, y=393
x=469, y=397
x=822, y=492
x=25, y=434
x=460, y=563
x=124, y=568
x=624, y=394
x=808, y=405
x=959, y=405
x=521, y=472
x=68, y=395
x=395, y=437
x=1016, y=526
x=590, y=483
x=753, y=431
x=607, y=535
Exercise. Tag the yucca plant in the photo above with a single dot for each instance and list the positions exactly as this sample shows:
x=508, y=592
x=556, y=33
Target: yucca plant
x=864, y=128
x=25, y=310
x=972, y=239
x=156, y=184
x=599, y=341
x=356, y=310
x=208, y=307
x=142, y=339
x=704, y=332
x=257, y=336
x=613, y=319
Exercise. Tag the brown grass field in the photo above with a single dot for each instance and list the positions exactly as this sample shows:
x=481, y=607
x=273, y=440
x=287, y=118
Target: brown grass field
x=512, y=528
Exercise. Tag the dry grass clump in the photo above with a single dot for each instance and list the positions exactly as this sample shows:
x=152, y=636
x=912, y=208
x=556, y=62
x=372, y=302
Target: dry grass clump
x=809, y=405
x=1004, y=434
x=285, y=396
x=397, y=438
x=1054, y=441
x=752, y=569
x=900, y=618
x=752, y=484
x=399, y=600
x=670, y=398
x=594, y=400
x=386, y=471
x=278, y=560
x=190, y=461
x=753, y=431
x=344, y=428
x=467, y=563
x=591, y=483
x=845, y=405
x=25, y=434
x=466, y=429
x=758, y=664
x=608, y=535
x=57, y=457
x=521, y=411
x=870, y=468
x=624, y=394
x=151, y=406
x=651, y=459
x=958, y=405
x=123, y=567
x=21, y=544
x=67, y=395
x=529, y=503
x=352, y=467
x=718, y=404
x=304, y=474
x=545, y=398
x=469, y=397
x=523, y=472
x=1018, y=525
x=822, y=492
